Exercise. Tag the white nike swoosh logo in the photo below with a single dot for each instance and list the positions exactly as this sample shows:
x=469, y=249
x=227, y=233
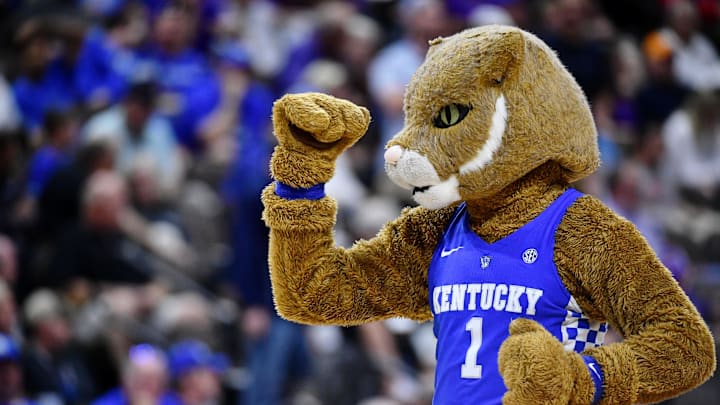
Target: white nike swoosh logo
x=446, y=253
x=592, y=367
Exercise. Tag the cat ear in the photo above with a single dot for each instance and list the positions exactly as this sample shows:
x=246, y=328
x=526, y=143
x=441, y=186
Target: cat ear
x=501, y=54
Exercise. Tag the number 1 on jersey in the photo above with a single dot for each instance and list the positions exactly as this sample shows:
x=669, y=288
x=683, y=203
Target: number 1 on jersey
x=470, y=369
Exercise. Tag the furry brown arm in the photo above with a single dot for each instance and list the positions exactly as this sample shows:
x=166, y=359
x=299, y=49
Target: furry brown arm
x=315, y=282
x=614, y=275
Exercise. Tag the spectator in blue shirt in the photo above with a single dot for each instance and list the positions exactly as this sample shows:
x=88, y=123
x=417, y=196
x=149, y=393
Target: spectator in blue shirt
x=249, y=108
x=243, y=116
x=108, y=61
x=190, y=90
x=205, y=14
x=197, y=372
x=46, y=82
x=59, y=132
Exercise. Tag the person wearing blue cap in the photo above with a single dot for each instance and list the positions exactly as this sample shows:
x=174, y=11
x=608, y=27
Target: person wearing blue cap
x=197, y=372
x=11, y=382
x=144, y=380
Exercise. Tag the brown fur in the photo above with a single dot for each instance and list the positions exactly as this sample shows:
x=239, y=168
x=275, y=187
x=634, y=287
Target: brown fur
x=550, y=140
x=454, y=71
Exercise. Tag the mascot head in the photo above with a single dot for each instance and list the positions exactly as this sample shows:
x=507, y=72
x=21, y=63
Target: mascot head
x=487, y=106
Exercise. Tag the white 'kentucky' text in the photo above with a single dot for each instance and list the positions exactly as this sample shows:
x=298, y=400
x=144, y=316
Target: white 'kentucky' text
x=486, y=296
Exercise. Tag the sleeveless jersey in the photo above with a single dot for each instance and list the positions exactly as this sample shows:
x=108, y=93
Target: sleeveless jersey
x=477, y=288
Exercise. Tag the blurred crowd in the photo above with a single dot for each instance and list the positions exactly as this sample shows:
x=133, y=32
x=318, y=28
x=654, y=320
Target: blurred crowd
x=135, y=137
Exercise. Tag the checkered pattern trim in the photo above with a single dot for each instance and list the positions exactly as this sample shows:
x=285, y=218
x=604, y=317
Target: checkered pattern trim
x=579, y=332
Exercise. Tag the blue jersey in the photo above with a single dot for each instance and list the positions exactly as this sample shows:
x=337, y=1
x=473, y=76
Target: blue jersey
x=190, y=92
x=478, y=288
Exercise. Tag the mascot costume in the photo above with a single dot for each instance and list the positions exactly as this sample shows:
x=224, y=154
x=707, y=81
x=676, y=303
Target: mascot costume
x=520, y=273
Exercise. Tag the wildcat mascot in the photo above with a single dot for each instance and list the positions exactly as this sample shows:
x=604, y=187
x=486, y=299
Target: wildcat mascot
x=520, y=273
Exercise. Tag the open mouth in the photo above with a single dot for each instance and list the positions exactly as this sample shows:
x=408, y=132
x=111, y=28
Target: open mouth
x=420, y=189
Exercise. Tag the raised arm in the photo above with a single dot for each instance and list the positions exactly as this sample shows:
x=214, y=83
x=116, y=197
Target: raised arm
x=314, y=281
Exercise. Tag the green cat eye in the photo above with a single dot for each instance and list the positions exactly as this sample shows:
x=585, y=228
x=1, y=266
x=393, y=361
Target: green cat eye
x=450, y=115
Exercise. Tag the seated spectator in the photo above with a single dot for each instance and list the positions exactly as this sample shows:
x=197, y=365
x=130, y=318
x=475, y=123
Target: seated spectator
x=246, y=112
x=45, y=83
x=11, y=381
x=662, y=93
x=577, y=37
x=58, y=131
x=359, y=42
x=97, y=249
x=60, y=201
x=189, y=89
x=246, y=106
x=144, y=380
x=186, y=315
x=695, y=61
x=59, y=211
x=54, y=370
x=108, y=60
x=135, y=132
x=204, y=15
x=197, y=372
x=691, y=138
x=322, y=38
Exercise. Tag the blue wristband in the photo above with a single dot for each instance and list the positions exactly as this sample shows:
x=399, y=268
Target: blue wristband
x=315, y=192
x=597, y=376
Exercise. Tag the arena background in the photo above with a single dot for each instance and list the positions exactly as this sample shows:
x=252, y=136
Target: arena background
x=134, y=142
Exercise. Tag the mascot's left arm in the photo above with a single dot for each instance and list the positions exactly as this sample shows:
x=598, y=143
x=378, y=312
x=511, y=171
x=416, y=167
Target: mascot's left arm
x=615, y=276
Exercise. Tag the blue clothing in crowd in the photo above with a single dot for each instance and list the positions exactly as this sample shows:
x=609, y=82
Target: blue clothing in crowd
x=105, y=69
x=241, y=189
x=299, y=58
x=278, y=358
x=43, y=165
x=190, y=91
x=118, y=397
x=53, y=91
x=207, y=13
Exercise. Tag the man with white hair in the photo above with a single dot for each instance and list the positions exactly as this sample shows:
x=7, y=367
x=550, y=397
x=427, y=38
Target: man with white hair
x=144, y=380
x=97, y=249
x=695, y=61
